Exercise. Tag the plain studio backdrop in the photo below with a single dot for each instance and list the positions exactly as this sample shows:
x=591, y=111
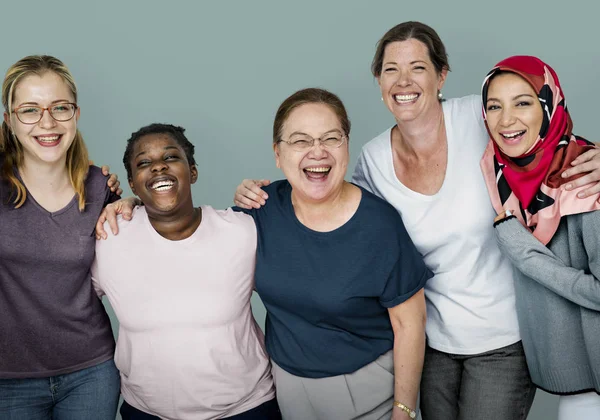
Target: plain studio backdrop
x=221, y=68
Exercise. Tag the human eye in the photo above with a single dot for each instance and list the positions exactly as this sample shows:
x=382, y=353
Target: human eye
x=523, y=103
x=332, y=140
x=300, y=142
x=142, y=163
x=172, y=157
x=29, y=110
x=61, y=108
x=419, y=68
x=492, y=107
x=389, y=69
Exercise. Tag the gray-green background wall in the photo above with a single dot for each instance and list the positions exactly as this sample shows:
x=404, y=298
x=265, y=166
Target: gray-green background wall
x=221, y=68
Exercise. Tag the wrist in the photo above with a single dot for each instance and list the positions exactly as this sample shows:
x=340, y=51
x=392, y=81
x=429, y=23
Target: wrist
x=402, y=411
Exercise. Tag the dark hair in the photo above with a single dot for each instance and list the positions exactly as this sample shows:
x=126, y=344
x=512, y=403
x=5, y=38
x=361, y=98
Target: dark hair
x=174, y=131
x=309, y=96
x=412, y=30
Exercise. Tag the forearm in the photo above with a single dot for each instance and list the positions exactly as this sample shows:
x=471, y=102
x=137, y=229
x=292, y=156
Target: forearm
x=409, y=351
x=539, y=263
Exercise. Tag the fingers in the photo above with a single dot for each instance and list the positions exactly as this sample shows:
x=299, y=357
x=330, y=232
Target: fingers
x=100, y=232
x=244, y=202
x=119, y=191
x=591, y=179
x=585, y=162
x=585, y=157
x=254, y=187
x=127, y=206
x=249, y=195
x=105, y=169
x=113, y=182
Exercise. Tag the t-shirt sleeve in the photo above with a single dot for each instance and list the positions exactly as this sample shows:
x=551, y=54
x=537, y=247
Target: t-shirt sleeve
x=409, y=273
x=361, y=176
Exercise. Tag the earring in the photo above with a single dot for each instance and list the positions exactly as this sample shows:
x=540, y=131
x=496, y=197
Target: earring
x=440, y=95
x=382, y=98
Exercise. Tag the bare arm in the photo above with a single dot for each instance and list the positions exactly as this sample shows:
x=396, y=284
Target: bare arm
x=123, y=206
x=408, y=323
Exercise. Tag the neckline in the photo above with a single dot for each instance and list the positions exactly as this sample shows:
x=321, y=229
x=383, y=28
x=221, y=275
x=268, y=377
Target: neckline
x=190, y=239
x=339, y=230
x=390, y=158
x=31, y=197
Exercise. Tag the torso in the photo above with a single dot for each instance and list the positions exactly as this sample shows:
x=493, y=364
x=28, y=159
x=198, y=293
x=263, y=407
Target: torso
x=47, y=303
x=470, y=300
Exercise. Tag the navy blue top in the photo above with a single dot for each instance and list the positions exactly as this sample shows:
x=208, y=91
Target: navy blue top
x=327, y=293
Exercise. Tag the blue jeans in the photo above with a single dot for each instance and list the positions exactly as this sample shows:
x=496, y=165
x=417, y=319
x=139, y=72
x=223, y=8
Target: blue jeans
x=90, y=394
x=494, y=385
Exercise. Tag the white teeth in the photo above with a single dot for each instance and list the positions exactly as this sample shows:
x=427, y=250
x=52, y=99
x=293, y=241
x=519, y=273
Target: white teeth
x=318, y=169
x=513, y=135
x=48, y=139
x=405, y=98
x=162, y=185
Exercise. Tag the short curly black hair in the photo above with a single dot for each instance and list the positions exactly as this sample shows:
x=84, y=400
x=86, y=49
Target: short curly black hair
x=174, y=131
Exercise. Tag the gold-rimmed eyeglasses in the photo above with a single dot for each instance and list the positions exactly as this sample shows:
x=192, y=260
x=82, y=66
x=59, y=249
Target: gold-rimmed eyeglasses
x=302, y=142
x=32, y=114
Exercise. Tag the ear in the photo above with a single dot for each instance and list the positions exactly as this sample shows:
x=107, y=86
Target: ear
x=194, y=173
x=442, y=78
x=77, y=114
x=7, y=119
x=132, y=187
x=277, y=157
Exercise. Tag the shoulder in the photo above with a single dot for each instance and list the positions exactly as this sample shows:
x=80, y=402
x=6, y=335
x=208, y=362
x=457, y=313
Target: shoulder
x=227, y=216
x=380, y=213
x=235, y=226
x=379, y=144
x=95, y=182
x=466, y=108
x=127, y=228
x=468, y=102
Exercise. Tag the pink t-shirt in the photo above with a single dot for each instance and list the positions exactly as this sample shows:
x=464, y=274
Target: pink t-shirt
x=188, y=345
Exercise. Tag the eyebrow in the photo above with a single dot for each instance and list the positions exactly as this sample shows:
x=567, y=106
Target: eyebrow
x=58, y=101
x=411, y=63
x=513, y=99
x=327, y=132
x=166, y=148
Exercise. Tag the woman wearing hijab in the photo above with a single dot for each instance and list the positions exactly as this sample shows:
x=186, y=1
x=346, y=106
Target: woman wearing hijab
x=549, y=234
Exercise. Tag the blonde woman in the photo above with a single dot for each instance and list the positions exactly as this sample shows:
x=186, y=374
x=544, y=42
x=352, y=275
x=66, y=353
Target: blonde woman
x=56, y=344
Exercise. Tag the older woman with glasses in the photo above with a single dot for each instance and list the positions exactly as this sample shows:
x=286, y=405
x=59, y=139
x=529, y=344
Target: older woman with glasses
x=56, y=343
x=340, y=278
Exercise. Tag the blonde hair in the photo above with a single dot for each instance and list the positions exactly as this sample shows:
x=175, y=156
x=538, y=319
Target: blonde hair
x=77, y=155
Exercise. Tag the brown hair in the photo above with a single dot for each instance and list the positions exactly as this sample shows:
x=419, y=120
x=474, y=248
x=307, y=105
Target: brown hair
x=77, y=155
x=309, y=96
x=412, y=30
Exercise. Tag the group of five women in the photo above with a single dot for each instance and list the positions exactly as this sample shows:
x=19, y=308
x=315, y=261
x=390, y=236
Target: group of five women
x=406, y=288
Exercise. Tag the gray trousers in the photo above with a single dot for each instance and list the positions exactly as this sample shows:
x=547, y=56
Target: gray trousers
x=494, y=385
x=367, y=394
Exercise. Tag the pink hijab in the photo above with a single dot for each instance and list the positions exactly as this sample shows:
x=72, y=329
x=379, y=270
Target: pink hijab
x=530, y=185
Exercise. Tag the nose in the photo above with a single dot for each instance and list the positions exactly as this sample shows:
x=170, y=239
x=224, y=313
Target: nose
x=403, y=78
x=159, y=166
x=317, y=150
x=506, y=117
x=47, y=121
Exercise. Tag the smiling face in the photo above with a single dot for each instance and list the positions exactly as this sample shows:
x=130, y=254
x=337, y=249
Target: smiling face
x=409, y=82
x=161, y=175
x=48, y=140
x=317, y=173
x=514, y=114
